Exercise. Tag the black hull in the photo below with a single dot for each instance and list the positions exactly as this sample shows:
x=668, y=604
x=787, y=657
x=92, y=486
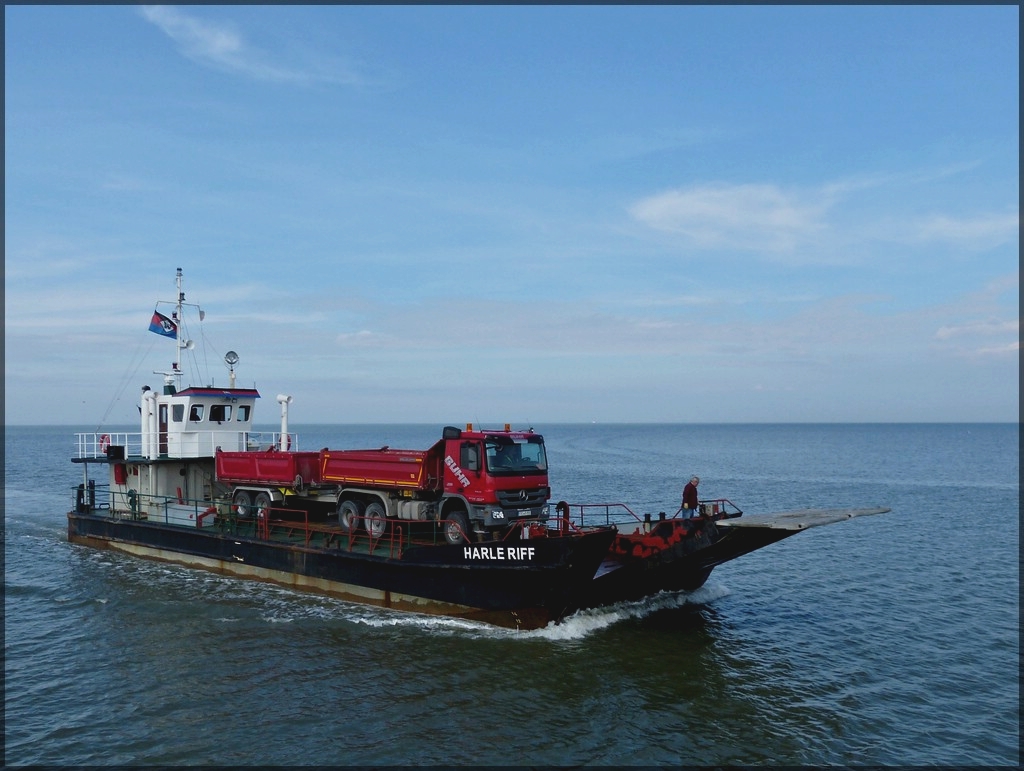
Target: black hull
x=496, y=582
x=485, y=585
x=688, y=552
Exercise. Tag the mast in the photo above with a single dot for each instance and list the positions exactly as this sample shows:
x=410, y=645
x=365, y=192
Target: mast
x=179, y=338
x=172, y=379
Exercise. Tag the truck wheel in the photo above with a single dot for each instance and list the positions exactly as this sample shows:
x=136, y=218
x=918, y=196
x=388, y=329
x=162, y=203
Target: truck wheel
x=349, y=514
x=456, y=528
x=243, y=504
x=375, y=520
x=262, y=504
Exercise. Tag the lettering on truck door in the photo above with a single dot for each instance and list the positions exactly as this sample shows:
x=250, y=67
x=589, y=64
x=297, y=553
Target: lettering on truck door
x=457, y=472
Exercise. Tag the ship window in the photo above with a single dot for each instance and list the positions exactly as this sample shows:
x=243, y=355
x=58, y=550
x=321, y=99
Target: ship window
x=243, y=412
x=196, y=413
x=220, y=412
x=177, y=412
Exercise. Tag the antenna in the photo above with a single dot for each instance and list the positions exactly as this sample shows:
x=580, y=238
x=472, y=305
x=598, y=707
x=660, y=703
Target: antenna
x=183, y=344
x=172, y=379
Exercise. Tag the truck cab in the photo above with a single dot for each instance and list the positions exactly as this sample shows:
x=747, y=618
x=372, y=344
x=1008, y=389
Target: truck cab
x=501, y=477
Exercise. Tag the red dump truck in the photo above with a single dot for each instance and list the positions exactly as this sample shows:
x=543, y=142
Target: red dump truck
x=476, y=482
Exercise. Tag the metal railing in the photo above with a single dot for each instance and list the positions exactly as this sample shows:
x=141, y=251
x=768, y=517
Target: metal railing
x=95, y=445
x=127, y=504
x=393, y=539
x=178, y=445
x=223, y=515
x=286, y=525
x=620, y=513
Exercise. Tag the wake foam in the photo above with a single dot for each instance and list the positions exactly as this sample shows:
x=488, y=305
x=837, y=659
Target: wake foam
x=586, y=622
x=576, y=627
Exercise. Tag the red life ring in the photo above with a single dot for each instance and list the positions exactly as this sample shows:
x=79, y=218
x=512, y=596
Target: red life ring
x=104, y=443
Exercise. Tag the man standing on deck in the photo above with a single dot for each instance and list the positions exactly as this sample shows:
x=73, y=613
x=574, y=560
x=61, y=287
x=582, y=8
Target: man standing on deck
x=690, y=497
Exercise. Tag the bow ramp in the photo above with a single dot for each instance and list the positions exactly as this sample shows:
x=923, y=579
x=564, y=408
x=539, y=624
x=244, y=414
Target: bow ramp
x=800, y=519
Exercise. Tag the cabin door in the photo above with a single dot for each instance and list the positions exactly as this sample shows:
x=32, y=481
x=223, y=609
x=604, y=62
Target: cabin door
x=163, y=429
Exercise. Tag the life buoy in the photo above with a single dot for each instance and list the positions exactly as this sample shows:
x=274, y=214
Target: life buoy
x=104, y=443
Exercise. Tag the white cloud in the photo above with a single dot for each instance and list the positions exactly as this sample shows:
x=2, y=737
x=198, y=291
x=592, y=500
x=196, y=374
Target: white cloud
x=979, y=328
x=982, y=338
x=813, y=225
x=753, y=217
x=1007, y=349
x=203, y=41
x=983, y=229
x=221, y=46
x=364, y=337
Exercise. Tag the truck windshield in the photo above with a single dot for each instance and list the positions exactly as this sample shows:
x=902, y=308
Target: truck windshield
x=508, y=457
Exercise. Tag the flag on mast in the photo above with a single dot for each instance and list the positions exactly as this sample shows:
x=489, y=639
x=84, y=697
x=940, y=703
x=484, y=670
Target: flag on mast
x=163, y=325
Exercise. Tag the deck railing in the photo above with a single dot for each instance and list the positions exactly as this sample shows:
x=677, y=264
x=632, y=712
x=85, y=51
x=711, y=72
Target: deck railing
x=285, y=525
x=295, y=526
x=127, y=504
x=621, y=514
x=189, y=444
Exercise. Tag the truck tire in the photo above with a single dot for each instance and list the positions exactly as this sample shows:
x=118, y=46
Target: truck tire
x=262, y=504
x=243, y=504
x=456, y=528
x=375, y=519
x=349, y=514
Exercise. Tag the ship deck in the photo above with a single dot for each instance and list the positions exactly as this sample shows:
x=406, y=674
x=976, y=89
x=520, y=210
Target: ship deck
x=290, y=527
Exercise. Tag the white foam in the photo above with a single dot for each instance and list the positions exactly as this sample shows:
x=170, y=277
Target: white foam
x=586, y=622
x=381, y=618
x=576, y=627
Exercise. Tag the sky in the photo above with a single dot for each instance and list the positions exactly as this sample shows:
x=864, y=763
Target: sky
x=525, y=214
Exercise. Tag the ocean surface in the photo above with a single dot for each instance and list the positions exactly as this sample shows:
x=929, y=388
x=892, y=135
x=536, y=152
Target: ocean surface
x=885, y=640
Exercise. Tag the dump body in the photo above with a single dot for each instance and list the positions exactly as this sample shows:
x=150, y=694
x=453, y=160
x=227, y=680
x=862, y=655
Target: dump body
x=385, y=468
x=269, y=467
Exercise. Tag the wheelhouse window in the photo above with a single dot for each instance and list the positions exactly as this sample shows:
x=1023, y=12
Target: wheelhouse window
x=515, y=457
x=195, y=415
x=243, y=413
x=220, y=412
x=177, y=412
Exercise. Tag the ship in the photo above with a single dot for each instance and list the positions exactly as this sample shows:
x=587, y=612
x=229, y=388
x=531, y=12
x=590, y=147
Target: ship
x=464, y=528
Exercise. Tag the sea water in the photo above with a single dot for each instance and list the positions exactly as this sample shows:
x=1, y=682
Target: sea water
x=884, y=640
